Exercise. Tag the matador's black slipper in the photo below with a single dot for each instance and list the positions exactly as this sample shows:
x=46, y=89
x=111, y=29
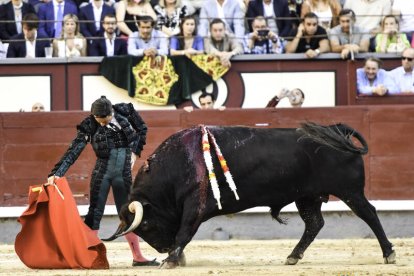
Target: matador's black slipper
x=147, y=263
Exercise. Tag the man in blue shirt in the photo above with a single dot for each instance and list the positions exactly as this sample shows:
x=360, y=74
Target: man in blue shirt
x=372, y=80
x=147, y=41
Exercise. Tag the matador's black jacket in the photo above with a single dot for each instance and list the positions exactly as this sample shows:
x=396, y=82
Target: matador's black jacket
x=132, y=136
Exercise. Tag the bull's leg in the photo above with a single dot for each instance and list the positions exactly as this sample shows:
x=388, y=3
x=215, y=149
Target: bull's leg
x=188, y=228
x=363, y=209
x=310, y=212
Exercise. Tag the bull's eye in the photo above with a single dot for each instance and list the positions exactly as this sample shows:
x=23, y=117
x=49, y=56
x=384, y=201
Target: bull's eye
x=144, y=225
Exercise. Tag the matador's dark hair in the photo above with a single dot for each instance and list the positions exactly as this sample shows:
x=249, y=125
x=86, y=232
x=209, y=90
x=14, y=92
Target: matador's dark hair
x=102, y=107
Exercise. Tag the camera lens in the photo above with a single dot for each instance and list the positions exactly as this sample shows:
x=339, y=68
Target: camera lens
x=263, y=32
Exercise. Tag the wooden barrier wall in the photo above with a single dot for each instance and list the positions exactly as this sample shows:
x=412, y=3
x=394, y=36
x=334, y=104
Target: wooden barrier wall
x=31, y=143
x=66, y=76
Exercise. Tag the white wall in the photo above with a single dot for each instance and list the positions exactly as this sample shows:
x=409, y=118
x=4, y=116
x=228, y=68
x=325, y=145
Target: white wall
x=21, y=92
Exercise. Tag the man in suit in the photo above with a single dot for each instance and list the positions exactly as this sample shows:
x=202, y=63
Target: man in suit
x=13, y=12
x=51, y=15
x=30, y=43
x=91, y=16
x=109, y=45
x=230, y=13
x=275, y=11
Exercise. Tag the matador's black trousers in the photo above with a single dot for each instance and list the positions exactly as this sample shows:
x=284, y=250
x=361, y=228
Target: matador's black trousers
x=113, y=172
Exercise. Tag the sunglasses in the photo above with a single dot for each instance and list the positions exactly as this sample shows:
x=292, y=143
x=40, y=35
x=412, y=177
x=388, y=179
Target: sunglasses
x=407, y=58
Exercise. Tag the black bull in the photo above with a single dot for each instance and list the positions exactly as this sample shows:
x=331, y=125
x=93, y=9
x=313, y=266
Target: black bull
x=270, y=167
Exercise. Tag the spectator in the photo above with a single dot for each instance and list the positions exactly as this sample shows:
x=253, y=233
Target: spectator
x=403, y=76
x=147, y=41
x=127, y=13
x=109, y=45
x=193, y=5
x=372, y=80
x=196, y=4
x=295, y=10
x=262, y=40
x=326, y=10
x=347, y=38
x=169, y=14
x=296, y=97
x=51, y=16
x=187, y=42
x=229, y=11
x=310, y=38
x=38, y=107
x=221, y=44
x=71, y=42
x=91, y=16
x=3, y=50
x=390, y=40
x=404, y=10
x=369, y=13
x=207, y=101
x=30, y=43
x=82, y=3
x=13, y=11
x=36, y=4
x=276, y=13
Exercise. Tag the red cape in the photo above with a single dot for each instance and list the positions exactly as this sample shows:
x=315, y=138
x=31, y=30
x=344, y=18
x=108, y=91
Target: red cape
x=53, y=235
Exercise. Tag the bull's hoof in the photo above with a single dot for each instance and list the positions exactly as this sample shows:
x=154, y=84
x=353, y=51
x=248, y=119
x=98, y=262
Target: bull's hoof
x=182, y=261
x=391, y=259
x=291, y=261
x=168, y=265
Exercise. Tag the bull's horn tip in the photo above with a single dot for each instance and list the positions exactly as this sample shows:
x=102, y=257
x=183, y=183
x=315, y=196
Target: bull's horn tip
x=109, y=239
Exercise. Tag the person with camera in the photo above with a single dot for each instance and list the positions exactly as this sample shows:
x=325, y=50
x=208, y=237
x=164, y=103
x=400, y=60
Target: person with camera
x=296, y=97
x=310, y=38
x=262, y=40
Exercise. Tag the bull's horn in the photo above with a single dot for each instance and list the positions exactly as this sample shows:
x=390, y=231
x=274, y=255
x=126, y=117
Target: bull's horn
x=134, y=207
x=118, y=231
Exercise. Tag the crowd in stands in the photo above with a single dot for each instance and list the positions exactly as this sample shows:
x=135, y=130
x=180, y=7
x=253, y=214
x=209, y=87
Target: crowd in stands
x=223, y=28
x=373, y=80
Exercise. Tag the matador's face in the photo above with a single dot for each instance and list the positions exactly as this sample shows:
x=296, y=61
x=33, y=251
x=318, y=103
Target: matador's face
x=103, y=121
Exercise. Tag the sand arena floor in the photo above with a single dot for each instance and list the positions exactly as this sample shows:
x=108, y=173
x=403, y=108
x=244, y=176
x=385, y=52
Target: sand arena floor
x=347, y=257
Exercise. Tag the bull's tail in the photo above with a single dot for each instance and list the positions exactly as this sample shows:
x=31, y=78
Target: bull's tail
x=337, y=136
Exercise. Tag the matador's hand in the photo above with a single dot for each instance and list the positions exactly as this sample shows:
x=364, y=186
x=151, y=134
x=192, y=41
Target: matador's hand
x=51, y=179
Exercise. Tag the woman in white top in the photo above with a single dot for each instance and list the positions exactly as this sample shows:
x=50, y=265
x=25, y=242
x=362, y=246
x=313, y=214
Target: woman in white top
x=326, y=10
x=71, y=43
